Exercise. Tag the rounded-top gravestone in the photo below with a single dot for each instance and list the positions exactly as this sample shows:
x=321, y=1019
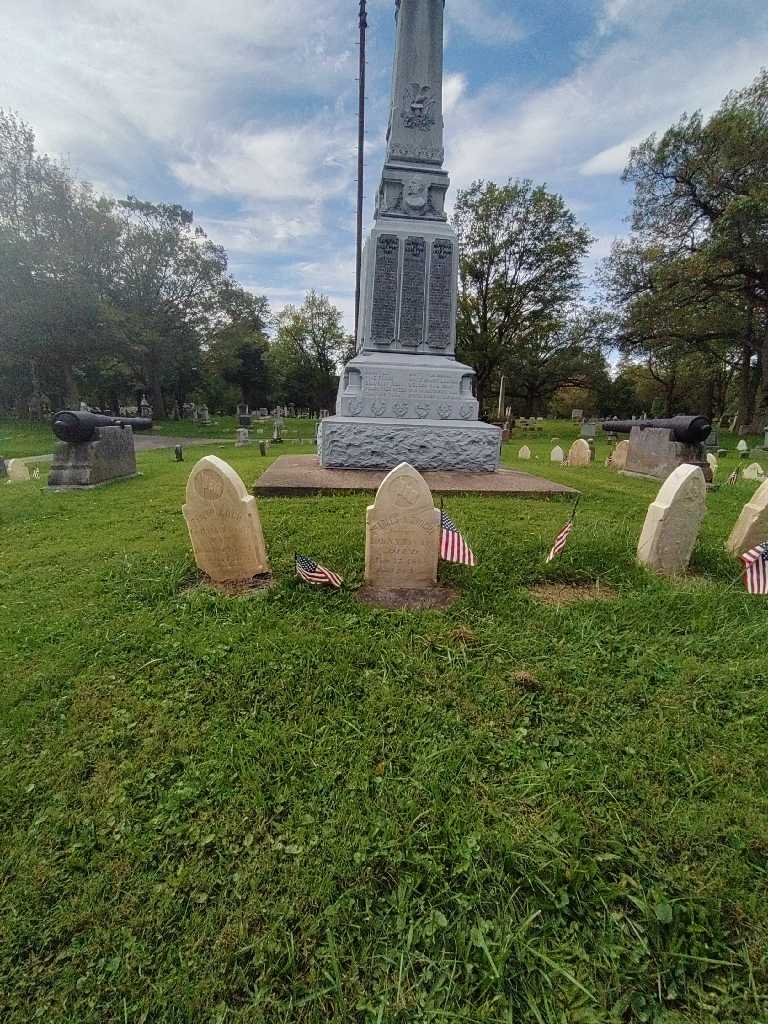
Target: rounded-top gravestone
x=402, y=533
x=751, y=527
x=672, y=522
x=223, y=523
x=580, y=454
x=524, y=453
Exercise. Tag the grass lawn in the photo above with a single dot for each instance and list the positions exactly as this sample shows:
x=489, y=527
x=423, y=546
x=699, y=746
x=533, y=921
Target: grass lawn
x=294, y=808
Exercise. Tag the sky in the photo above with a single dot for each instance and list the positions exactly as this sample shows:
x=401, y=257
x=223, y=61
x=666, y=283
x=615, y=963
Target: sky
x=245, y=111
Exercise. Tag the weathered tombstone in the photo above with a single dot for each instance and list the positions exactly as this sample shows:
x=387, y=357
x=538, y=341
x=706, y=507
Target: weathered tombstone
x=402, y=533
x=241, y=437
x=743, y=449
x=17, y=470
x=753, y=472
x=577, y=414
x=524, y=453
x=580, y=454
x=204, y=415
x=262, y=448
x=3, y=468
x=178, y=451
x=619, y=455
x=557, y=454
x=673, y=521
x=713, y=463
x=223, y=523
x=751, y=527
x=588, y=430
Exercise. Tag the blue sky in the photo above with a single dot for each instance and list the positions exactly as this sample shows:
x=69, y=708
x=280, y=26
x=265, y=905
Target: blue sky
x=245, y=110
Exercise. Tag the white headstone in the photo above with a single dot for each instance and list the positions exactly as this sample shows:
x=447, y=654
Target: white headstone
x=241, y=437
x=673, y=521
x=223, y=523
x=619, y=455
x=579, y=454
x=402, y=533
x=17, y=470
x=751, y=527
x=524, y=453
x=753, y=472
x=742, y=447
x=557, y=454
x=712, y=460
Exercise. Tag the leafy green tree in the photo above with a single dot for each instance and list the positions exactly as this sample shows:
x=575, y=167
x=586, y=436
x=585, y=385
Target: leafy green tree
x=701, y=205
x=520, y=254
x=236, y=352
x=307, y=351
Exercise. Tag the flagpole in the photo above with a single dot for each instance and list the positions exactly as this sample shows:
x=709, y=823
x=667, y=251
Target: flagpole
x=363, y=18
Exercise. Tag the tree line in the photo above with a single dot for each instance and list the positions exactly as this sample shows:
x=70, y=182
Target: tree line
x=107, y=298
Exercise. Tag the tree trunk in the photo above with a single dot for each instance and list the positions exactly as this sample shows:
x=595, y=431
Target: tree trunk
x=746, y=405
x=71, y=394
x=152, y=375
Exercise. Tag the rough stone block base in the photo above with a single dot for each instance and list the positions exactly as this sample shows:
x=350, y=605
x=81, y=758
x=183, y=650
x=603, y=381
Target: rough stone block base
x=357, y=443
x=654, y=453
x=110, y=456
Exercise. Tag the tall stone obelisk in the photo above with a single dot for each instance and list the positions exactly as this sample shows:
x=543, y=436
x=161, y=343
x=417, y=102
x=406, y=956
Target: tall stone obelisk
x=404, y=397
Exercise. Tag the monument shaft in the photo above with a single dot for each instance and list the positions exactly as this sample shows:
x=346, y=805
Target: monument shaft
x=404, y=397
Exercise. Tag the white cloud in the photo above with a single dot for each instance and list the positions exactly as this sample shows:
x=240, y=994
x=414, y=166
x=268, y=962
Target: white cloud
x=612, y=160
x=454, y=87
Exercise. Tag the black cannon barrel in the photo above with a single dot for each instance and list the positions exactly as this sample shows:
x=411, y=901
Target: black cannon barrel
x=75, y=427
x=686, y=429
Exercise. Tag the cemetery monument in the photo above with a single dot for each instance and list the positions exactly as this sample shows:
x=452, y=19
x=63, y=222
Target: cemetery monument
x=93, y=450
x=657, y=447
x=404, y=396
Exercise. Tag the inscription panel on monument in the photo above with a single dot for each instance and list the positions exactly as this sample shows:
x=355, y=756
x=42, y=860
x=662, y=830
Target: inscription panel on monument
x=384, y=306
x=414, y=287
x=440, y=313
x=379, y=382
x=432, y=385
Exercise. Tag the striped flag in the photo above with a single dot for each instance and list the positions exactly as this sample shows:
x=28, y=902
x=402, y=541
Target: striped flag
x=734, y=477
x=756, y=569
x=311, y=572
x=560, y=540
x=453, y=547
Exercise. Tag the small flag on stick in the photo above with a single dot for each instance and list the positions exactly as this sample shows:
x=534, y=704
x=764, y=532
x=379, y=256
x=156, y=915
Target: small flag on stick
x=756, y=569
x=453, y=547
x=562, y=538
x=734, y=477
x=311, y=572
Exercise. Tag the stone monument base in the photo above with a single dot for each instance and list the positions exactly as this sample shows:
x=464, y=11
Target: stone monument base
x=348, y=442
x=109, y=457
x=654, y=453
x=296, y=476
x=430, y=598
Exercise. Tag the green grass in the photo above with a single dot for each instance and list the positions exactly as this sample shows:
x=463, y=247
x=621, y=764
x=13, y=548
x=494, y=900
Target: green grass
x=291, y=807
x=20, y=439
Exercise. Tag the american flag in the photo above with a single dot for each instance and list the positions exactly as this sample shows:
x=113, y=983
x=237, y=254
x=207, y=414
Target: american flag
x=453, y=547
x=311, y=572
x=756, y=569
x=734, y=477
x=560, y=540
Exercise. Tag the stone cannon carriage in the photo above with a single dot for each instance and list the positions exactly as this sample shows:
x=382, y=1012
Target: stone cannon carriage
x=93, y=449
x=658, y=447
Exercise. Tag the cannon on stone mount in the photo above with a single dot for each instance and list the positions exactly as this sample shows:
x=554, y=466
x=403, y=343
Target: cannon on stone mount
x=77, y=427
x=685, y=429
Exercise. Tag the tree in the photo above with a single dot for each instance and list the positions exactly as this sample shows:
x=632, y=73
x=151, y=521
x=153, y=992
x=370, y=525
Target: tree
x=701, y=199
x=520, y=253
x=168, y=283
x=236, y=352
x=306, y=353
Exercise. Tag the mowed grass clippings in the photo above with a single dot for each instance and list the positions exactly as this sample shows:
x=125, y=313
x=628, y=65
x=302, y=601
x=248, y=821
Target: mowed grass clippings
x=293, y=807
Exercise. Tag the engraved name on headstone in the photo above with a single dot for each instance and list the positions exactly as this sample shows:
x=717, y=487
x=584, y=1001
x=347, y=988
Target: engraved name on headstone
x=414, y=287
x=223, y=523
x=385, y=290
x=439, y=317
x=402, y=535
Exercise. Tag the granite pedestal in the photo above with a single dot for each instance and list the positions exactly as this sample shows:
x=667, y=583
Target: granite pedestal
x=653, y=452
x=109, y=457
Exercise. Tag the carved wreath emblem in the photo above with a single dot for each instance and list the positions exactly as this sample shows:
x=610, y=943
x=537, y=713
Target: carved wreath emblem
x=443, y=410
x=465, y=410
x=355, y=407
x=400, y=408
x=379, y=408
x=418, y=107
x=422, y=410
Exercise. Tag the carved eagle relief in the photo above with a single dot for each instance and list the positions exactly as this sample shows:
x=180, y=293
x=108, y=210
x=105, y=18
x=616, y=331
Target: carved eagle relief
x=419, y=107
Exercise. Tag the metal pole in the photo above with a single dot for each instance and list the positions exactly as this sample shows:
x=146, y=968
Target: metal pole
x=360, y=156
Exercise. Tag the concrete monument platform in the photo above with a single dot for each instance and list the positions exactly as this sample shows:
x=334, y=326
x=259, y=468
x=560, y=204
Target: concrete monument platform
x=296, y=476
